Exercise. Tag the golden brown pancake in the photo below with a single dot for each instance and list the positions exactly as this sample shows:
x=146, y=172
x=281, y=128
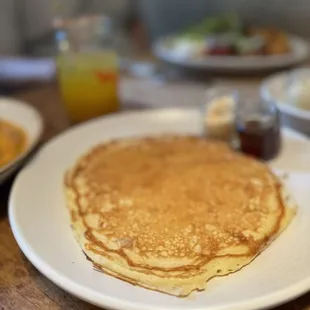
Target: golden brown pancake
x=169, y=213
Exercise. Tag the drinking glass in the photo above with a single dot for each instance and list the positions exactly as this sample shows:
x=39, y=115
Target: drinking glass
x=87, y=67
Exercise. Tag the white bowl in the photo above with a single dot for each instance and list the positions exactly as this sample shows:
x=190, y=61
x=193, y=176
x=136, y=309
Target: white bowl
x=29, y=120
x=274, y=89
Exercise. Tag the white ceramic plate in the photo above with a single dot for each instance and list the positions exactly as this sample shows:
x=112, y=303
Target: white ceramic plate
x=300, y=52
x=29, y=120
x=41, y=225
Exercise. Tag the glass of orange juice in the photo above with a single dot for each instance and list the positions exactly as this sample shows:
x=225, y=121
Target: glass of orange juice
x=87, y=67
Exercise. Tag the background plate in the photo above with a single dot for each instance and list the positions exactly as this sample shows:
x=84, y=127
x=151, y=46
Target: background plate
x=300, y=52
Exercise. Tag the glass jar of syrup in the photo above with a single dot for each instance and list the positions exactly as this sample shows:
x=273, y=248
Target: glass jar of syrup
x=258, y=128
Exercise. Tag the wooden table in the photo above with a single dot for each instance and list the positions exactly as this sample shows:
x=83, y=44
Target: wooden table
x=22, y=287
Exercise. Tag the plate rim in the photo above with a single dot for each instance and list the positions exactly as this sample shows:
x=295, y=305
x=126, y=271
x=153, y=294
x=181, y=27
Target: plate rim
x=40, y=127
x=102, y=300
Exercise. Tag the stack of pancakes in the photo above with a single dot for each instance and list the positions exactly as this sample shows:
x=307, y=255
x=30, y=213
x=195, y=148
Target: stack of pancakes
x=169, y=213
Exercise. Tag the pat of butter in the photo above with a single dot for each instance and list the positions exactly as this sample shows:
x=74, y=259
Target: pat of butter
x=219, y=119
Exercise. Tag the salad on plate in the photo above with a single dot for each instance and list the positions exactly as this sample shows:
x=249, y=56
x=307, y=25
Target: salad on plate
x=228, y=35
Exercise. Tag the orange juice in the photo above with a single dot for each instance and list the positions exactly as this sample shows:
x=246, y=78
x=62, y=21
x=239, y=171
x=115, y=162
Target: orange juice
x=89, y=83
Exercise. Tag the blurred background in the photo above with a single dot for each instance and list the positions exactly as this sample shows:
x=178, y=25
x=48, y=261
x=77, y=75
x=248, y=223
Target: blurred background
x=37, y=46
x=160, y=16
x=26, y=26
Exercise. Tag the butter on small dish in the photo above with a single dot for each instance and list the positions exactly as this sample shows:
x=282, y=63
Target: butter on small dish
x=219, y=117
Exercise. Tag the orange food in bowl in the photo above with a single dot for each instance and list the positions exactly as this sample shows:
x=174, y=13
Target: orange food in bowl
x=13, y=141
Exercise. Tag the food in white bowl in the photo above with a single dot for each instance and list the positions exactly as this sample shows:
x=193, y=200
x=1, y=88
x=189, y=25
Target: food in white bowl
x=20, y=129
x=298, y=93
x=291, y=93
x=13, y=141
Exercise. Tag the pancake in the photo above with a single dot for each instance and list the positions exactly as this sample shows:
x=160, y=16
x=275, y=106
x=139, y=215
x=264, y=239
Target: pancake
x=170, y=213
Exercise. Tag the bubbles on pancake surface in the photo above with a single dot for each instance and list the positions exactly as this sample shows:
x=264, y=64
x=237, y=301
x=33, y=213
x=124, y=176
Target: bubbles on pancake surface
x=173, y=207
